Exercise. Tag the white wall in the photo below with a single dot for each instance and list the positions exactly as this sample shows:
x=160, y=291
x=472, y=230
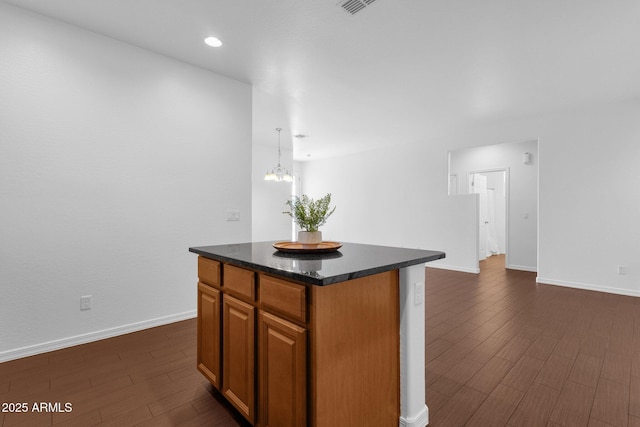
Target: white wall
x=113, y=161
x=588, y=204
x=269, y=197
x=397, y=197
x=523, y=192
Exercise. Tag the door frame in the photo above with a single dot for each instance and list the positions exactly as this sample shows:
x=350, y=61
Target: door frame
x=507, y=195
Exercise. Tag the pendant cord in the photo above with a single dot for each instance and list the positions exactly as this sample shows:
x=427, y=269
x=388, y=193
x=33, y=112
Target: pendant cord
x=279, y=129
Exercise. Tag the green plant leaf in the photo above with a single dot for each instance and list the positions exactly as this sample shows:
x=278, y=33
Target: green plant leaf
x=310, y=214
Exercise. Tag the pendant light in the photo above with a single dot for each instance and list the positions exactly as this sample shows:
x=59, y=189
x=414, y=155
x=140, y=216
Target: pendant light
x=278, y=173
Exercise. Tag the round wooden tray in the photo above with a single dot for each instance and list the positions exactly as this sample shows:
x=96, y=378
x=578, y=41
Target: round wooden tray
x=317, y=248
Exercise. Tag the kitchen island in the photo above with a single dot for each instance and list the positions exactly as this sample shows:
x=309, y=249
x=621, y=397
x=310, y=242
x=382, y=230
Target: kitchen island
x=324, y=339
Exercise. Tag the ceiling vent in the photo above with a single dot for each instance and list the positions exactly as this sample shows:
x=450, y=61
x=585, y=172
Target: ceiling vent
x=355, y=6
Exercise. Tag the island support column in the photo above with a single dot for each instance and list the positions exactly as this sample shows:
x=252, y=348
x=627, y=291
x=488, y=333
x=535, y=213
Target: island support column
x=413, y=408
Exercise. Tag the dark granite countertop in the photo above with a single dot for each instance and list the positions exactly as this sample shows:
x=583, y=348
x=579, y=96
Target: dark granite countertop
x=351, y=261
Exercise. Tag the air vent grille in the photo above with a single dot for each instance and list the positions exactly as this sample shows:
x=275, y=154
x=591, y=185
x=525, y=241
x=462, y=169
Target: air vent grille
x=355, y=6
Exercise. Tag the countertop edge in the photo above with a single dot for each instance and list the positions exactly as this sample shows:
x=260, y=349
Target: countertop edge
x=319, y=281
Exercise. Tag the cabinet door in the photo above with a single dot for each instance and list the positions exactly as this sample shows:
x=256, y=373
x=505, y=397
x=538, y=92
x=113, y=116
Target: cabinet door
x=238, y=378
x=209, y=333
x=282, y=372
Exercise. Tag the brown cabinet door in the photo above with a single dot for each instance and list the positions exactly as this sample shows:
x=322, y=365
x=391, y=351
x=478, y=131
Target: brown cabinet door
x=209, y=333
x=238, y=360
x=282, y=372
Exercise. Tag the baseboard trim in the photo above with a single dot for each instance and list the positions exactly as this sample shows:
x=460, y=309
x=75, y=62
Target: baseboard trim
x=477, y=270
x=522, y=268
x=587, y=287
x=45, y=347
x=421, y=419
x=454, y=268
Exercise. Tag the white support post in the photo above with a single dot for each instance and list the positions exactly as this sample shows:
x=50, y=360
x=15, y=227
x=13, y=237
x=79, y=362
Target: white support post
x=413, y=407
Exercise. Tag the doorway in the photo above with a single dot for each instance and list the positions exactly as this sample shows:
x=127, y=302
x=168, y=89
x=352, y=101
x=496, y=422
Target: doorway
x=492, y=188
x=519, y=162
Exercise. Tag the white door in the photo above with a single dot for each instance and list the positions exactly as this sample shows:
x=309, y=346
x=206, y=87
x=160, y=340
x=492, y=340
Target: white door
x=493, y=247
x=478, y=185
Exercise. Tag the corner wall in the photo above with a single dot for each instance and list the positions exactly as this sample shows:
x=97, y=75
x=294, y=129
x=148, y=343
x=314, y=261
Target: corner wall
x=113, y=161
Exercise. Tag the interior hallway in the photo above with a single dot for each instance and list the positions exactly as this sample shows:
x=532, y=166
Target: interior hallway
x=501, y=350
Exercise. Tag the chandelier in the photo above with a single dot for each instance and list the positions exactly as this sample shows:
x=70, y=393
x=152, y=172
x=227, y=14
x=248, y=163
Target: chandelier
x=278, y=173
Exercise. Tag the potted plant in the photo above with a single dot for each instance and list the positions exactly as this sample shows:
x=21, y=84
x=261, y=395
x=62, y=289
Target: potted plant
x=310, y=214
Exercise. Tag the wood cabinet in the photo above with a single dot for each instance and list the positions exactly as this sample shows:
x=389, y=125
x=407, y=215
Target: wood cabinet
x=240, y=282
x=354, y=354
x=282, y=372
x=209, y=306
x=257, y=361
x=292, y=355
x=238, y=349
x=209, y=333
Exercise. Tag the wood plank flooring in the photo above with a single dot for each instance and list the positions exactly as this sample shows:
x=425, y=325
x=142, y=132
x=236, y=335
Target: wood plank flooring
x=505, y=351
x=147, y=378
x=501, y=351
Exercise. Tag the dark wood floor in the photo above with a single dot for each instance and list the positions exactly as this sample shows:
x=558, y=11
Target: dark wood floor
x=146, y=378
x=501, y=351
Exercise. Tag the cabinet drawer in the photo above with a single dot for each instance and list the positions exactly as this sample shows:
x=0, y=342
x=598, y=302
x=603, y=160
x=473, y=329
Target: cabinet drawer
x=239, y=281
x=209, y=271
x=283, y=297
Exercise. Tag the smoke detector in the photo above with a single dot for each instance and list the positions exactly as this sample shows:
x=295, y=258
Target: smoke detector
x=355, y=6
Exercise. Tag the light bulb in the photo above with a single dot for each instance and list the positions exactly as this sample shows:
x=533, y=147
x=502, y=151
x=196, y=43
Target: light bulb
x=213, y=41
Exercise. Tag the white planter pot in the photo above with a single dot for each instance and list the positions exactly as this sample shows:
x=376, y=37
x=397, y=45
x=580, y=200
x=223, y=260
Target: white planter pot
x=309, y=237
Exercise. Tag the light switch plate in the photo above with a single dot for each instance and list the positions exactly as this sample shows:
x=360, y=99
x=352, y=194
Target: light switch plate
x=85, y=302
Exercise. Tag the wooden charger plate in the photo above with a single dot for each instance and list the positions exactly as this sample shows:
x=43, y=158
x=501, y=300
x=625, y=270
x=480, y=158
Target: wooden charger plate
x=317, y=248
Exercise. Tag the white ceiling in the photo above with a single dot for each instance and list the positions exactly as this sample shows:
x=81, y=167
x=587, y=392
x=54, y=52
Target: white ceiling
x=400, y=71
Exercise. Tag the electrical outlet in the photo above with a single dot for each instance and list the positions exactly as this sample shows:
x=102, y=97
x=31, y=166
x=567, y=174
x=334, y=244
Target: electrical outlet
x=85, y=302
x=622, y=269
x=418, y=293
x=233, y=215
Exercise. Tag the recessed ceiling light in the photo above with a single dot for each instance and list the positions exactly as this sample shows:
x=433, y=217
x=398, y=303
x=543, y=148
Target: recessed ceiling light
x=213, y=41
